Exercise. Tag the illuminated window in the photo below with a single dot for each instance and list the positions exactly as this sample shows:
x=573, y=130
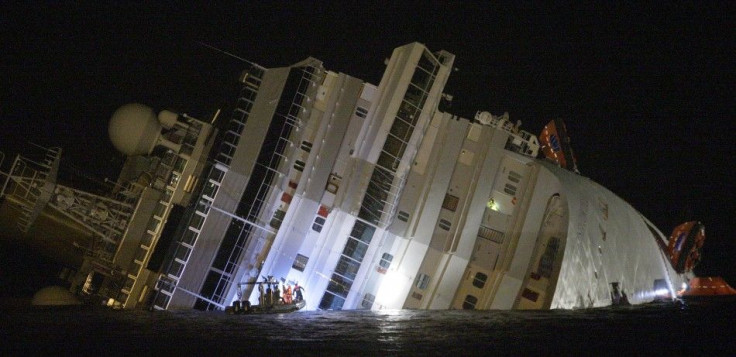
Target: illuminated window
x=469, y=303
x=480, y=280
x=422, y=281
x=174, y=180
x=300, y=262
x=210, y=189
x=450, y=202
x=445, y=224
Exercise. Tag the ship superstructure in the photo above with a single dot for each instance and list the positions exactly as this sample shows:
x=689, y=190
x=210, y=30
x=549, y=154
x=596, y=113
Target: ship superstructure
x=372, y=197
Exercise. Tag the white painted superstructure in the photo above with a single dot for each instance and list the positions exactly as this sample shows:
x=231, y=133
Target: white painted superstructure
x=372, y=197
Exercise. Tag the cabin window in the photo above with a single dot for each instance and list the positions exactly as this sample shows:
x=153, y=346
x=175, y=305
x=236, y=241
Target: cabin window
x=469, y=303
x=196, y=221
x=450, y=202
x=386, y=261
x=333, y=183
x=134, y=268
x=361, y=112
x=176, y=268
x=318, y=223
x=179, y=164
x=299, y=165
x=189, y=237
x=128, y=284
x=403, y=216
x=182, y=253
x=422, y=281
x=445, y=224
x=217, y=173
x=530, y=295
x=167, y=195
x=278, y=217
x=300, y=262
x=210, y=189
x=510, y=189
x=416, y=295
x=153, y=224
x=203, y=206
x=514, y=177
x=160, y=210
x=140, y=254
x=368, y=301
x=479, y=281
x=306, y=146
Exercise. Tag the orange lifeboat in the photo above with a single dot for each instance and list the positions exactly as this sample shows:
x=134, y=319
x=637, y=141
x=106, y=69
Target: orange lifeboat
x=707, y=287
x=683, y=248
x=556, y=145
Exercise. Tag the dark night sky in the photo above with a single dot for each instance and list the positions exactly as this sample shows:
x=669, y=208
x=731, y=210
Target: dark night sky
x=647, y=91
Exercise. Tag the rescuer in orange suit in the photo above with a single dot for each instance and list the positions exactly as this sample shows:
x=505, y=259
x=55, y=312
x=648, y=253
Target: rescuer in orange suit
x=287, y=294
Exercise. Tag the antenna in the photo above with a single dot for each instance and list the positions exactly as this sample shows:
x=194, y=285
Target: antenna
x=227, y=53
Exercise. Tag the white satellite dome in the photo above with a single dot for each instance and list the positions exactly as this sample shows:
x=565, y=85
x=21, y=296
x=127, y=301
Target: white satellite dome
x=54, y=296
x=134, y=129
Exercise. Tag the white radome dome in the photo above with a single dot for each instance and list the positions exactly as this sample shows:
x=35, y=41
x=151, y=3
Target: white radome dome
x=134, y=129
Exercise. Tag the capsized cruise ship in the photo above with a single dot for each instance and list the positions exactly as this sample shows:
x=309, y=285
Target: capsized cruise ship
x=369, y=197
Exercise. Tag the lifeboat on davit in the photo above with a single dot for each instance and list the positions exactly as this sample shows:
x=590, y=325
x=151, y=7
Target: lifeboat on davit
x=684, y=246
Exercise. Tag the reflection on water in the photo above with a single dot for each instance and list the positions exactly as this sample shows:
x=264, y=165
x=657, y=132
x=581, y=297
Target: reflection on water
x=643, y=330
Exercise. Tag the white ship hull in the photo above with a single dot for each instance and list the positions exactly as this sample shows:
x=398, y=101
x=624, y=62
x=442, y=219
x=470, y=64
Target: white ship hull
x=370, y=197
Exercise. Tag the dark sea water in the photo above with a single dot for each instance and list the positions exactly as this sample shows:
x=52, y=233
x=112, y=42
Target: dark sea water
x=653, y=330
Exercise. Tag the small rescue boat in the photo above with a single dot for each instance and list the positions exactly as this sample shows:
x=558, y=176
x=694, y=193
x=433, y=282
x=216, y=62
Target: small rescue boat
x=270, y=300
